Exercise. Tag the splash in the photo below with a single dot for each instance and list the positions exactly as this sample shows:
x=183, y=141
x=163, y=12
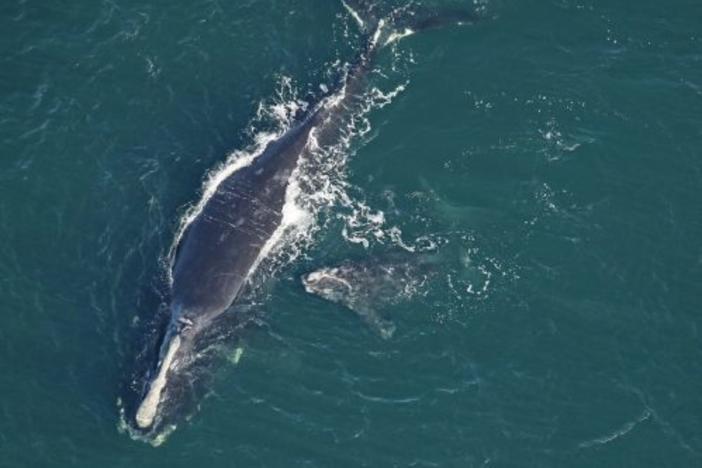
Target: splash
x=124, y=427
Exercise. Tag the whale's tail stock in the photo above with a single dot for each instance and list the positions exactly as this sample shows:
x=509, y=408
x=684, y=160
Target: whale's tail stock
x=386, y=26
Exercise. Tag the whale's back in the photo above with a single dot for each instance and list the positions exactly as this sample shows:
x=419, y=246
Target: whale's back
x=221, y=245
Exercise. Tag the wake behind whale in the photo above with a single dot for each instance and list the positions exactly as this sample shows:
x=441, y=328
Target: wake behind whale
x=234, y=226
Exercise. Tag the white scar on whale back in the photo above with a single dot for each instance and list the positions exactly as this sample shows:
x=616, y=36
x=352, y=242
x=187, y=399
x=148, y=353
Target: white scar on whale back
x=147, y=410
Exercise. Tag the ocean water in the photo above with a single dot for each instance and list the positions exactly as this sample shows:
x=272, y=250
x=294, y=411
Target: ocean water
x=546, y=158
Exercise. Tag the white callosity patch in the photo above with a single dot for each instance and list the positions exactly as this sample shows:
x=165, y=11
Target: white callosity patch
x=314, y=283
x=147, y=410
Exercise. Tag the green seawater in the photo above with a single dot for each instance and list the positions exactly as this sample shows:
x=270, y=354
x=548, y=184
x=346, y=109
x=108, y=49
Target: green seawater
x=552, y=151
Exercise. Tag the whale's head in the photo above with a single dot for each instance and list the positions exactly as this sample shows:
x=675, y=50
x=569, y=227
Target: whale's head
x=329, y=283
x=175, y=370
x=169, y=385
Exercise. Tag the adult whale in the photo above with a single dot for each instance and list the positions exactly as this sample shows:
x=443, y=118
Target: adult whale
x=221, y=246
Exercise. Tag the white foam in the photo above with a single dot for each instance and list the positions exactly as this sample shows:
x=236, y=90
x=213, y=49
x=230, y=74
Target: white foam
x=619, y=432
x=147, y=410
x=354, y=14
x=397, y=35
x=378, y=32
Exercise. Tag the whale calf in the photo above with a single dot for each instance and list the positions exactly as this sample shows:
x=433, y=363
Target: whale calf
x=220, y=248
x=366, y=287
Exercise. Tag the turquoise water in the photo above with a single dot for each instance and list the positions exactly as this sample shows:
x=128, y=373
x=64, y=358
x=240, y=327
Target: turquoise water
x=551, y=152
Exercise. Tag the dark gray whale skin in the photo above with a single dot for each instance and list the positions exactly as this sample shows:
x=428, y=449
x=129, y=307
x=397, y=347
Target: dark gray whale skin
x=222, y=243
x=220, y=247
